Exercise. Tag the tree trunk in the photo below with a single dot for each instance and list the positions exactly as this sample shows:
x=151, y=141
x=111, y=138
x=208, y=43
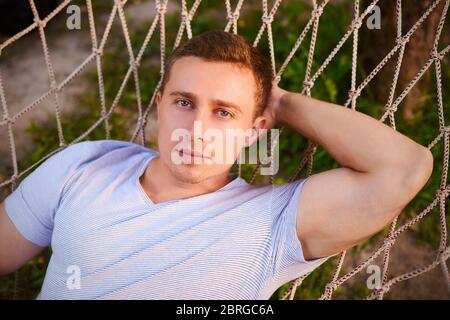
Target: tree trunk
x=417, y=51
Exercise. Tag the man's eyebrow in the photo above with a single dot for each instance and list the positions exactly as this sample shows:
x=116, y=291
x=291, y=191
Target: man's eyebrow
x=193, y=97
x=185, y=94
x=228, y=105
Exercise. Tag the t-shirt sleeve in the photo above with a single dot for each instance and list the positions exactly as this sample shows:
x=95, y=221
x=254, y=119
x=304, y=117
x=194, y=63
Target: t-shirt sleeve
x=287, y=254
x=33, y=204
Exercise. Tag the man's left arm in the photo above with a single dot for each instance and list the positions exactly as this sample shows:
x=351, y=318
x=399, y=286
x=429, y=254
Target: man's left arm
x=382, y=170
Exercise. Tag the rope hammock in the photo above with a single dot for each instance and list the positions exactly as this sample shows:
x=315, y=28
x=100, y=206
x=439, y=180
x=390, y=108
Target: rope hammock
x=435, y=58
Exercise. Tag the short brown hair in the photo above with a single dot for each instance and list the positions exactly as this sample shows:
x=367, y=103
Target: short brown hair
x=224, y=46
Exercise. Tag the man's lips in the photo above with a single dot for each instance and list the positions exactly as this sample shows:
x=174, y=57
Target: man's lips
x=192, y=153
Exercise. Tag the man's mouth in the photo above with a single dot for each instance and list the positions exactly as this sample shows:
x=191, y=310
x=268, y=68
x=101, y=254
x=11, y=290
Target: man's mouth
x=192, y=154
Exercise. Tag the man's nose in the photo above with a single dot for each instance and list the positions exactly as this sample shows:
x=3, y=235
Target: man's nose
x=199, y=123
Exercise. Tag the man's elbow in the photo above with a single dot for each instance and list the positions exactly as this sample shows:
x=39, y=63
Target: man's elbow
x=418, y=170
x=425, y=164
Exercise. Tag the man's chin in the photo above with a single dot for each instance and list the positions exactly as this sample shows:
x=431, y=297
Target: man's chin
x=188, y=173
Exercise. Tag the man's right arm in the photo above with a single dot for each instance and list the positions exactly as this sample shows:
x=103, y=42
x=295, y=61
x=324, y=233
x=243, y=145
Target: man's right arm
x=27, y=227
x=15, y=249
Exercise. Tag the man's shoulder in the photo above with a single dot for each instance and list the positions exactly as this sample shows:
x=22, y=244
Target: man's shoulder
x=79, y=154
x=278, y=195
x=92, y=147
x=279, y=187
x=101, y=144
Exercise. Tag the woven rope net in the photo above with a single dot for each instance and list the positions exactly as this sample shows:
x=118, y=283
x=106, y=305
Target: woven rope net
x=268, y=15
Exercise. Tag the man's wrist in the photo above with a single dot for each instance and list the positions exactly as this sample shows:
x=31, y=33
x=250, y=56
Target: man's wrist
x=282, y=106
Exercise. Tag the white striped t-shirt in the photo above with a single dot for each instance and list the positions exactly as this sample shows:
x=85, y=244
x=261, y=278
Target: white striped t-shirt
x=110, y=241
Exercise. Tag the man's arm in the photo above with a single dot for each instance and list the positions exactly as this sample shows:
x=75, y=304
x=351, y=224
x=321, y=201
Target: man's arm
x=15, y=250
x=382, y=170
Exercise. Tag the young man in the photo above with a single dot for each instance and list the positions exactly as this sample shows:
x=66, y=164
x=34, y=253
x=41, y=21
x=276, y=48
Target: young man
x=127, y=222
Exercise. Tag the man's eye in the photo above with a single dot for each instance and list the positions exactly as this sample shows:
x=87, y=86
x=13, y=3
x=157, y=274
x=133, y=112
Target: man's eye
x=224, y=113
x=183, y=103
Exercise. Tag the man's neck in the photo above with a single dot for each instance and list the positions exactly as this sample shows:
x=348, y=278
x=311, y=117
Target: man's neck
x=161, y=186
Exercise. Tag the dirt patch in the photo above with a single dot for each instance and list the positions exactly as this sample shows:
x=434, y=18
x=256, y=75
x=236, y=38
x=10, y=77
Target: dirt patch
x=406, y=255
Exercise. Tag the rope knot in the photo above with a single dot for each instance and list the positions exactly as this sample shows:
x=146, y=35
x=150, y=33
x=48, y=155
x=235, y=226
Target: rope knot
x=97, y=51
x=134, y=64
x=389, y=241
x=442, y=192
x=8, y=120
x=441, y=252
x=331, y=287
x=186, y=16
x=353, y=93
x=444, y=254
x=445, y=129
x=53, y=85
x=14, y=180
x=391, y=109
x=317, y=12
x=307, y=84
x=356, y=24
x=437, y=55
x=402, y=40
x=233, y=16
x=40, y=23
x=267, y=19
x=119, y=3
x=161, y=9
x=106, y=115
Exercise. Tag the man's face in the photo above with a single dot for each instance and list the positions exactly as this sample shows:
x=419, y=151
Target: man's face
x=204, y=103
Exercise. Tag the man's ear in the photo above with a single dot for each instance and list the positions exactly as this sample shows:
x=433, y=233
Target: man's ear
x=158, y=99
x=257, y=129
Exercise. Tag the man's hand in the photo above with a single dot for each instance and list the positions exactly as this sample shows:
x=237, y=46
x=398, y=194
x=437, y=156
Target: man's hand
x=273, y=106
